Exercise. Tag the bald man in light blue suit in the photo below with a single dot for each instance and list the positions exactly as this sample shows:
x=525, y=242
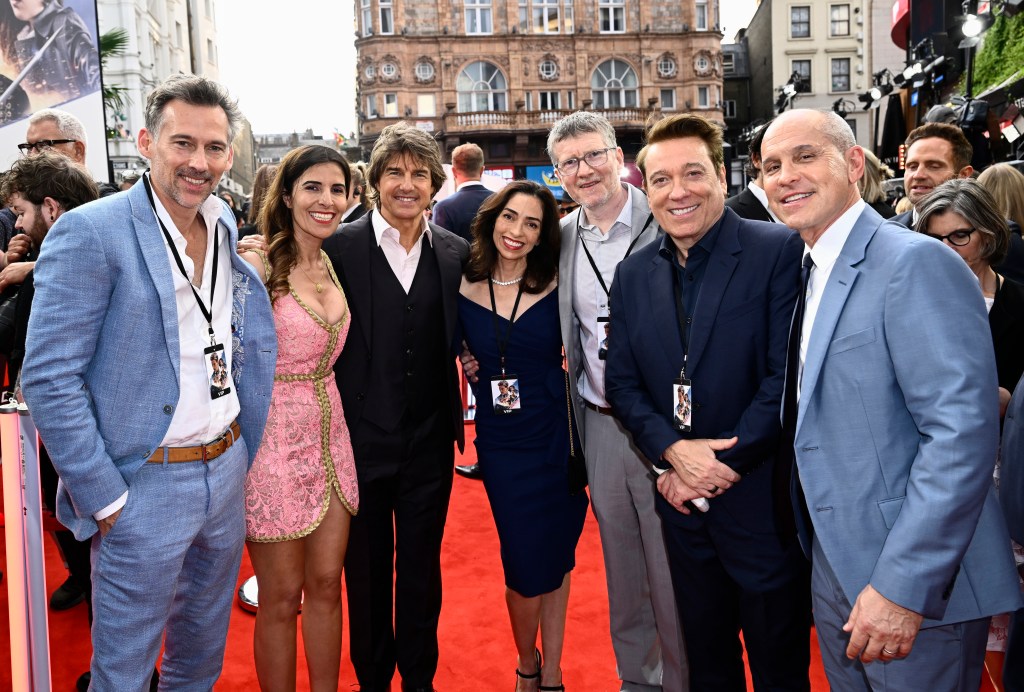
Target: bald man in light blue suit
x=896, y=433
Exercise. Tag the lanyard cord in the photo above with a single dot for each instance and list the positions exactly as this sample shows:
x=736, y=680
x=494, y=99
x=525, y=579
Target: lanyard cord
x=503, y=344
x=590, y=258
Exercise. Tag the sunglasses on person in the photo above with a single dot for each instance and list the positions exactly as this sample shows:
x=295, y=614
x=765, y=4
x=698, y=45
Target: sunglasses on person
x=42, y=145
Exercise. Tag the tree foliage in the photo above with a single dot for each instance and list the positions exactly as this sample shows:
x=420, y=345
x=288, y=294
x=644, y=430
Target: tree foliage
x=113, y=43
x=1002, y=53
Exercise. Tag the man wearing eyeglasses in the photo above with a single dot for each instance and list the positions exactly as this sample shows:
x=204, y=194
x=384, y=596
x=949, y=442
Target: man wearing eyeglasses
x=613, y=220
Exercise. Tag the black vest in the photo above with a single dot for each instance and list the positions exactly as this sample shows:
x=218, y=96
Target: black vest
x=409, y=353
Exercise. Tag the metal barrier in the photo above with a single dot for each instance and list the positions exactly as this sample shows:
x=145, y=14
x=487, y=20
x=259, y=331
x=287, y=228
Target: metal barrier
x=23, y=527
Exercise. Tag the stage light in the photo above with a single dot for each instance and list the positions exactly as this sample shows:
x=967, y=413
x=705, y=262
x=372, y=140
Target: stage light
x=972, y=26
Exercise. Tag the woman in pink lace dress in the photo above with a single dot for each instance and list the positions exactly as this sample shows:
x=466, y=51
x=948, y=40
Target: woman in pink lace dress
x=301, y=491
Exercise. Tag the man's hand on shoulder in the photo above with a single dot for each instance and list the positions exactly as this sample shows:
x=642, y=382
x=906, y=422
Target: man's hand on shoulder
x=251, y=243
x=695, y=462
x=880, y=629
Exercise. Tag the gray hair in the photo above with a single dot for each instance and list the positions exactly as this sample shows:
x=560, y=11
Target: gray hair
x=577, y=124
x=195, y=91
x=969, y=198
x=67, y=124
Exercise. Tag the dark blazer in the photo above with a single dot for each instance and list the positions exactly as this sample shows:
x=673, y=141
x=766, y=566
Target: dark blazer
x=349, y=251
x=884, y=209
x=1006, y=319
x=358, y=212
x=456, y=213
x=737, y=354
x=1012, y=265
x=748, y=206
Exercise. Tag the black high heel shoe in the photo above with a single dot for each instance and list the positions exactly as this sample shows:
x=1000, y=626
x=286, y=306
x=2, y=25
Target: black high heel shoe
x=552, y=688
x=531, y=676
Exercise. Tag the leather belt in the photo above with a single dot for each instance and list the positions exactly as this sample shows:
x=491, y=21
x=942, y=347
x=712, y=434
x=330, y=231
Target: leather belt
x=603, y=410
x=205, y=453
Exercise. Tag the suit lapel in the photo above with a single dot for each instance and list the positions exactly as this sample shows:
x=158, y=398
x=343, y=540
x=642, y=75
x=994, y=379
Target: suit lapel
x=567, y=278
x=154, y=255
x=721, y=265
x=449, y=264
x=354, y=253
x=833, y=300
x=666, y=326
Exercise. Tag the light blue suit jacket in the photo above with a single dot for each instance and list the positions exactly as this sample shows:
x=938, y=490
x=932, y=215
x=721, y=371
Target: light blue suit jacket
x=102, y=357
x=898, y=426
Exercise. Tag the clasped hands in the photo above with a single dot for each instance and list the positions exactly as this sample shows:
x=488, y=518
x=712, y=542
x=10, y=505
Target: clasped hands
x=695, y=472
x=880, y=629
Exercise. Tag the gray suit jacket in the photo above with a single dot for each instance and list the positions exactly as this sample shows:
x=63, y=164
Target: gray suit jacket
x=567, y=279
x=897, y=429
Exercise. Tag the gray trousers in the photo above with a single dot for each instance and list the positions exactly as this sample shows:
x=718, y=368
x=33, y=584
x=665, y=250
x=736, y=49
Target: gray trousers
x=646, y=635
x=948, y=658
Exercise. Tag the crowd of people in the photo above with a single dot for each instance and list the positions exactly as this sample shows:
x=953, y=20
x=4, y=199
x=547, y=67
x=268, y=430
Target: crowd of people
x=786, y=403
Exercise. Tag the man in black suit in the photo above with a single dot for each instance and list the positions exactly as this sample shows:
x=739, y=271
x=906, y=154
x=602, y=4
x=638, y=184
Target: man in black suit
x=400, y=391
x=456, y=213
x=728, y=287
x=935, y=153
x=356, y=208
x=752, y=202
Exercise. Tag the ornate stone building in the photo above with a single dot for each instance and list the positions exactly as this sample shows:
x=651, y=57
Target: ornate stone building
x=499, y=72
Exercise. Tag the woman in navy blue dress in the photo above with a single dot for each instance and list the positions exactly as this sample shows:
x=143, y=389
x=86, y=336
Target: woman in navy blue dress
x=509, y=314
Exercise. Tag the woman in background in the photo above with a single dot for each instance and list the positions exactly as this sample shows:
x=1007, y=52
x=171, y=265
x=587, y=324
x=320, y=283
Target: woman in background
x=1006, y=184
x=301, y=491
x=875, y=173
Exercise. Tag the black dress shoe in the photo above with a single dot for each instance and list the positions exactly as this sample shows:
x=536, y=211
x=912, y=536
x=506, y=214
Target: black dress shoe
x=82, y=685
x=68, y=595
x=470, y=472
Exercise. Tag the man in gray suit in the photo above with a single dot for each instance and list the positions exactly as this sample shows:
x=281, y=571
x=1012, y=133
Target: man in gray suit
x=614, y=219
x=892, y=412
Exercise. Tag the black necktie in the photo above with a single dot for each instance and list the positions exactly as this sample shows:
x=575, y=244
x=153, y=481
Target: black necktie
x=783, y=472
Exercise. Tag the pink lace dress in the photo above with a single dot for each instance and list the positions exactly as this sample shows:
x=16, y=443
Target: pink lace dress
x=306, y=450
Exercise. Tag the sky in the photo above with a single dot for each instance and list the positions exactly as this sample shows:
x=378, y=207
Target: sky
x=295, y=69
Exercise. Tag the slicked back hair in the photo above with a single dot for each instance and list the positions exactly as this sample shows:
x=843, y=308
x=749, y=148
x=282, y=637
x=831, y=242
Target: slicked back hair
x=195, y=91
x=402, y=139
x=684, y=125
x=963, y=152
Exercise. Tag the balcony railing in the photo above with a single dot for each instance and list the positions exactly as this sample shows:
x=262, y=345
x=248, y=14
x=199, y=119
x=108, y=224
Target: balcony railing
x=513, y=121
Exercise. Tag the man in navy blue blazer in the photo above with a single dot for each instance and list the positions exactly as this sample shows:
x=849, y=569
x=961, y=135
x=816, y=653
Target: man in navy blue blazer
x=456, y=213
x=709, y=307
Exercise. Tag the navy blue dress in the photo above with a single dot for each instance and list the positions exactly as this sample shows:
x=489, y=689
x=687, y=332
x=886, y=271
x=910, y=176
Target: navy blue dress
x=524, y=456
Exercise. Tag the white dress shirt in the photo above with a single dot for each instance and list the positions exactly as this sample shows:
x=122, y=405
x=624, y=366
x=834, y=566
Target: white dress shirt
x=824, y=253
x=589, y=301
x=762, y=197
x=402, y=263
x=197, y=417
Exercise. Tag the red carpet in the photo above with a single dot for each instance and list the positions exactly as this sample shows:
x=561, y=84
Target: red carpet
x=476, y=646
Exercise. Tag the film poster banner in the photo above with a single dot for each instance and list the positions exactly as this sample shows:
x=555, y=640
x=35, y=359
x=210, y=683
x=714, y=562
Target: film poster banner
x=49, y=58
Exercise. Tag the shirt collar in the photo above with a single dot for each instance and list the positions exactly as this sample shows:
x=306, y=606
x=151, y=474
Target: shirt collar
x=706, y=244
x=380, y=227
x=827, y=248
x=210, y=210
x=762, y=197
x=625, y=217
x=468, y=183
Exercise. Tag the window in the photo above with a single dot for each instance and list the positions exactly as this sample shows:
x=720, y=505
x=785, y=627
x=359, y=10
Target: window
x=478, y=17
x=391, y=105
x=666, y=66
x=481, y=87
x=840, y=74
x=701, y=64
x=545, y=16
x=614, y=85
x=703, y=97
x=728, y=63
x=613, y=16
x=802, y=69
x=570, y=100
x=371, y=106
x=209, y=9
x=729, y=109
x=800, y=21
x=367, y=15
x=426, y=106
x=701, y=17
x=388, y=70
x=211, y=54
x=840, y=20
x=548, y=70
x=548, y=100
x=178, y=34
x=424, y=71
x=370, y=71
x=387, y=17
x=668, y=99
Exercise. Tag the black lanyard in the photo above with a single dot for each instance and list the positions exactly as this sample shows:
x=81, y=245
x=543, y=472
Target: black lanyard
x=207, y=313
x=503, y=344
x=590, y=258
x=681, y=316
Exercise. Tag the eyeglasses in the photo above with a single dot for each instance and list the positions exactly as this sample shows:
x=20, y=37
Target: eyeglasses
x=42, y=145
x=959, y=237
x=593, y=159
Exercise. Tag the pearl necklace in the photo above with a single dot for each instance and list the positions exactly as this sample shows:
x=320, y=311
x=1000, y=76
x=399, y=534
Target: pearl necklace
x=511, y=282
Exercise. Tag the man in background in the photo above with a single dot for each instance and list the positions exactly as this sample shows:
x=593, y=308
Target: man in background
x=456, y=212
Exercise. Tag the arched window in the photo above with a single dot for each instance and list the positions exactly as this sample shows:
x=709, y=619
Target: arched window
x=482, y=87
x=613, y=85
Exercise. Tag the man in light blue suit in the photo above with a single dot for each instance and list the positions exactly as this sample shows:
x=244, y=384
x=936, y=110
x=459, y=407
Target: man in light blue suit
x=1011, y=497
x=895, y=432
x=140, y=304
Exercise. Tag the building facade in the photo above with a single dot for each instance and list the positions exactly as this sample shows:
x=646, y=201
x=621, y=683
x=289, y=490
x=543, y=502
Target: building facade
x=500, y=72
x=165, y=37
